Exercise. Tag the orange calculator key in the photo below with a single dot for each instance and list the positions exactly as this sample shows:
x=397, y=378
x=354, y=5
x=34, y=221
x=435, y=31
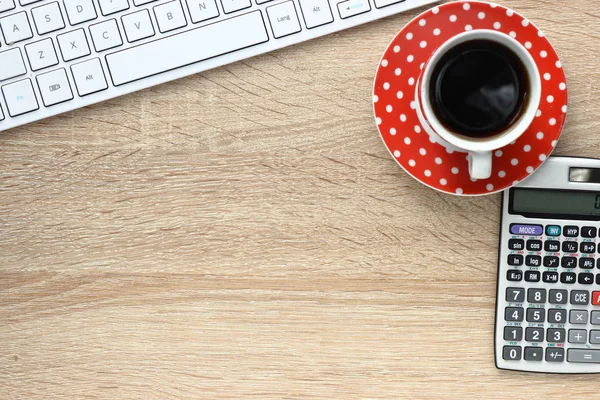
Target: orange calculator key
x=596, y=298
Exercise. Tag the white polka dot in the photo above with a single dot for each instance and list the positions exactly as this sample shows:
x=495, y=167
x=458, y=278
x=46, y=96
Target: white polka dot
x=515, y=182
x=399, y=94
x=397, y=71
x=378, y=121
x=411, y=81
x=481, y=15
x=422, y=151
x=509, y=13
x=438, y=160
x=543, y=54
x=436, y=32
x=392, y=131
x=498, y=153
x=540, y=135
x=540, y=34
x=407, y=140
x=396, y=153
x=427, y=173
x=423, y=44
x=564, y=109
x=384, y=63
x=422, y=22
x=547, y=76
x=422, y=65
x=466, y=6
x=396, y=49
x=388, y=108
x=525, y=22
x=413, y=105
x=497, y=25
x=409, y=36
x=402, y=117
x=562, y=86
x=501, y=174
x=459, y=191
x=410, y=58
x=453, y=18
x=386, y=85
x=435, y=10
x=529, y=169
x=550, y=99
x=473, y=179
x=468, y=27
x=454, y=170
x=412, y=163
x=513, y=34
x=417, y=129
x=514, y=161
x=542, y=157
x=558, y=64
x=493, y=5
x=538, y=113
x=552, y=121
x=489, y=187
x=527, y=148
x=528, y=45
x=443, y=182
x=554, y=142
x=375, y=98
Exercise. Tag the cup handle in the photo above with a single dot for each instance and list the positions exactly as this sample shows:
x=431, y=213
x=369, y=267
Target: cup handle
x=480, y=165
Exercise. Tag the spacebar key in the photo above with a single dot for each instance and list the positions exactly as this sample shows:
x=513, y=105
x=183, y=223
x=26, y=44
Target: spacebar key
x=187, y=48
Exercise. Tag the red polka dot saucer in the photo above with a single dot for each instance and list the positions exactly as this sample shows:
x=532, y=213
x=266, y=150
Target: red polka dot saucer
x=431, y=160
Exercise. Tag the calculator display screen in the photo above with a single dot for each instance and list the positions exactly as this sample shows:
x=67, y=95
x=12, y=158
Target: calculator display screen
x=555, y=203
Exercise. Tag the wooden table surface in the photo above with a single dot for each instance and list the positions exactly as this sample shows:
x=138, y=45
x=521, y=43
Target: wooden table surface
x=243, y=233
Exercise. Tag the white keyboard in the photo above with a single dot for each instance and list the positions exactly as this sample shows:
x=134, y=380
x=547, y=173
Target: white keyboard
x=57, y=56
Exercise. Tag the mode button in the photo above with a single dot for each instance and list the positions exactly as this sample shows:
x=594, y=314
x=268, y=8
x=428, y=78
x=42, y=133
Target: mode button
x=530, y=230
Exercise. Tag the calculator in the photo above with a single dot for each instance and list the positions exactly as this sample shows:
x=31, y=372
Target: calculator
x=548, y=295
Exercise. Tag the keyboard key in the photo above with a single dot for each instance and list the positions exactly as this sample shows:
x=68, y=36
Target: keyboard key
x=529, y=230
x=79, y=11
x=580, y=297
x=27, y=2
x=558, y=296
x=15, y=28
x=511, y=353
x=534, y=245
x=578, y=317
x=169, y=16
x=550, y=277
x=569, y=247
x=202, y=10
x=586, y=356
x=283, y=19
x=571, y=231
x=586, y=263
x=41, y=54
x=1, y=113
x=588, y=232
x=515, y=295
x=351, y=8
x=514, y=275
x=164, y=54
x=89, y=77
x=47, y=18
x=551, y=261
x=515, y=260
x=385, y=3
x=142, y=2
x=230, y=6
x=552, y=246
x=20, y=97
x=11, y=64
x=557, y=316
x=534, y=353
x=568, y=277
x=105, y=35
x=73, y=45
x=516, y=244
x=6, y=5
x=108, y=7
x=595, y=318
x=555, y=335
x=555, y=354
x=587, y=247
x=534, y=334
x=533, y=261
x=536, y=296
x=514, y=314
x=536, y=315
x=585, y=278
x=553, y=230
x=532, y=276
x=54, y=87
x=578, y=336
x=594, y=337
x=568, y=262
x=137, y=26
x=596, y=298
x=513, y=333
x=317, y=13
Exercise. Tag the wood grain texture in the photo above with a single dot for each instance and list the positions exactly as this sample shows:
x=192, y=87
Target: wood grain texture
x=243, y=233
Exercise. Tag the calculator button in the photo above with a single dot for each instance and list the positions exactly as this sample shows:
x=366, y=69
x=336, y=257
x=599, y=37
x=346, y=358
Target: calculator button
x=555, y=335
x=514, y=275
x=536, y=315
x=595, y=337
x=578, y=317
x=598, y=279
x=580, y=297
x=552, y=246
x=552, y=230
x=568, y=262
x=533, y=261
x=511, y=353
x=514, y=314
x=578, y=336
x=515, y=260
x=534, y=353
x=569, y=247
x=555, y=354
x=534, y=334
x=558, y=296
x=588, y=232
x=585, y=278
x=515, y=295
x=529, y=230
x=587, y=247
x=595, y=318
x=586, y=263
x=536, y=296
x=534, y=245
x=532, y=276
x=516, y=244
x=513, y=333
x=550, y=277
x=596, y=298
x=583, y=356
x=568, y=277
x=557, y=316
x=571, y=231
x=551, y=261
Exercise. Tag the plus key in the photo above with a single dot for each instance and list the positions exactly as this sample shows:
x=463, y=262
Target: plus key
x=596, y=298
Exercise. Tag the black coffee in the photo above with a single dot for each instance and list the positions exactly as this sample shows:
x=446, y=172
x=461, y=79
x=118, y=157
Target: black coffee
x=479, y=89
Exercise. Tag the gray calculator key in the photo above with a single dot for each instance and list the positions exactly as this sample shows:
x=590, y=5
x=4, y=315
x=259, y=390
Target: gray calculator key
x=534, y=353
x=536, y=315
x=580, y=297
x=595, y=337
x=534, y=334
x=515, y=295
x=583, y=356
x=536, y=296
x=579, y=317
x=578, y=336
x=513, y=333
x=558, y=296
x=557, y=316
x=511, y=352
x=595, y=317
x=514, y=314
x=555, y=335
x=555, y=354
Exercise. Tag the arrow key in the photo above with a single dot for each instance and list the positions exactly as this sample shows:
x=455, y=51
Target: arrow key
x=586, y=279
x=534, y=353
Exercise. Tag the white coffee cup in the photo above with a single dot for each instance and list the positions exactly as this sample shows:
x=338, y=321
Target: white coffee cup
x=479, y=150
